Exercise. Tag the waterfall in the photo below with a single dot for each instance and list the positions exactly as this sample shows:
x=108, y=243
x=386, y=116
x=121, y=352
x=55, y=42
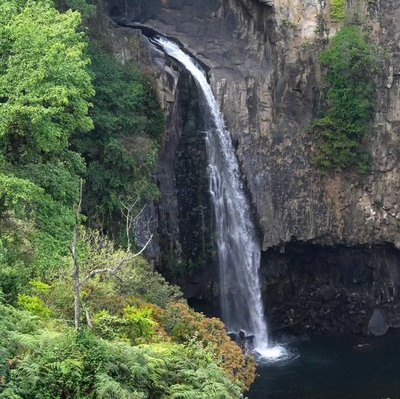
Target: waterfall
x=236, y=237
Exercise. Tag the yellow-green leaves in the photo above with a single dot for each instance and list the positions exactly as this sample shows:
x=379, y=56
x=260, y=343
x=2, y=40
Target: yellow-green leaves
x=34, y=304
x=338, y=9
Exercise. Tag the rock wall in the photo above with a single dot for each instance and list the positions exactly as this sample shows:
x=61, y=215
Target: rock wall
x=314, y=289
x=262, y=60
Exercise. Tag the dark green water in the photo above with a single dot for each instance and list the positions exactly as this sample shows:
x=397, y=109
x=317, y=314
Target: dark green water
x=335, y=368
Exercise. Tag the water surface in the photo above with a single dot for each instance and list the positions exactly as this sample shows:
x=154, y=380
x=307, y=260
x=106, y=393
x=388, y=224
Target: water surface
x=335, y=368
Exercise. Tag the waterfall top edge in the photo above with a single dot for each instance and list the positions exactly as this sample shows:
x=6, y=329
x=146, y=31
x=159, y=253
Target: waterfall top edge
x=152, y=34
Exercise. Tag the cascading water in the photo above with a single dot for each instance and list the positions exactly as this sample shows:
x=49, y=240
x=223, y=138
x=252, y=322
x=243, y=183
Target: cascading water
x=237, y=243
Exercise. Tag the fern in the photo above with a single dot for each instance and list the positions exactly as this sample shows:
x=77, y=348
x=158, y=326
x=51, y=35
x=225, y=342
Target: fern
x=56, y=363
x=9, y=393
x=108, y=388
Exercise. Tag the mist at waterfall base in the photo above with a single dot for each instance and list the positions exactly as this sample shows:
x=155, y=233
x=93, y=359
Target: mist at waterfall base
x=236, y=237
x=351, y=367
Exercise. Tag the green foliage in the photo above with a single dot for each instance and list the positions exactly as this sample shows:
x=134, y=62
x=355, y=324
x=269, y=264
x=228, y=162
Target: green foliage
x=186, y=326
x=338, y=9
x=351, y=65
x=86, y=8
x=136, y=324
x=16, y=193
x=35, y=228
x=137, y=279
x=45, y=89
x=58, y=176
x=57, y=363
x=120, y=152
x=10, y=282
x=139, y=323
x=44, y=83
x=39, y=286
x=34, y=304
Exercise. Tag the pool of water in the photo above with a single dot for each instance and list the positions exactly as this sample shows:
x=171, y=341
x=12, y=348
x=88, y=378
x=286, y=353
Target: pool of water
x=334, y=368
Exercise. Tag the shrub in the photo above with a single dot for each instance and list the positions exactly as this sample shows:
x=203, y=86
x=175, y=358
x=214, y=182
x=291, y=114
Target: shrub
x=339, y=132
x=185, y=325
x=34, y=304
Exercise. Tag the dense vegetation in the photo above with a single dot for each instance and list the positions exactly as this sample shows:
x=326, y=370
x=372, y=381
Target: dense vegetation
x=69, y=111
x=339, y=133
x=120, y=150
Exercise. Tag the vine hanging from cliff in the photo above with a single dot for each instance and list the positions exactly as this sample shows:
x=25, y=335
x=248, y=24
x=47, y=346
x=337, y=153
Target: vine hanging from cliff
x=351, y=64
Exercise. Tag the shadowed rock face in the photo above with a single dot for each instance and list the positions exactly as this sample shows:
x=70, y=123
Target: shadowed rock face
x=332, y=290
x=262, y=60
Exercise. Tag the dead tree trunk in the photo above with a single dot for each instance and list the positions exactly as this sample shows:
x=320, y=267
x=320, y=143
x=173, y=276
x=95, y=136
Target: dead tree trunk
x=75, y=275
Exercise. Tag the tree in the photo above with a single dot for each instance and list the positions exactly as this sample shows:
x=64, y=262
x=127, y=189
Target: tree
x=45, y=88
x=121, y=150
x=44, y=82
x=109, y=263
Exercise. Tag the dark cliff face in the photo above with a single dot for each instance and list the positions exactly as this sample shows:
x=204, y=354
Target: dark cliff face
x=185, y=220
x=331, y=290
x=262, y=60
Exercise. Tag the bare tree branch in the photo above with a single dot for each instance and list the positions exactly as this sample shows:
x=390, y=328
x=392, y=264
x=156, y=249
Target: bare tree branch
x=129, y=220
x=114, y=269
x=102, y=244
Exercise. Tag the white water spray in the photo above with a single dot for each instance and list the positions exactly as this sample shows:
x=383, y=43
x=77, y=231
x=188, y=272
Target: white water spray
x=237, y=243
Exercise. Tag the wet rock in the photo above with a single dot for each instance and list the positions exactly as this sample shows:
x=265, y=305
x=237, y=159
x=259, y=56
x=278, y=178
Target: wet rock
x=243, y=339
x=327, y=293
x=377, y=324
x=269, y=3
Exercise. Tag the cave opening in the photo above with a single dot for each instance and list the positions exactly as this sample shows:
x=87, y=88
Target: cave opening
x=330, y=290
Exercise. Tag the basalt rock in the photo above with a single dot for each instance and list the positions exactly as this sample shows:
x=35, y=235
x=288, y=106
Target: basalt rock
x=377, y=324
x=264, y=71
x=332, y=290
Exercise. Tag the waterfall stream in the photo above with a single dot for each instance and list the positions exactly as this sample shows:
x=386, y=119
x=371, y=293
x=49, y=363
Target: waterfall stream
x=237, y=241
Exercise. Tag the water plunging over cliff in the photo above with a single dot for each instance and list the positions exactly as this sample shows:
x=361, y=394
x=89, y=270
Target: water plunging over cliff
x=237, y=242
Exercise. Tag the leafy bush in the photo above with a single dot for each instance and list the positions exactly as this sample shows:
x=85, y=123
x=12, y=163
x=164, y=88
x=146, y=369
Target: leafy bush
x=50, y=101
x=34, y=304
x=36, y=229
x=351, y=65
x=137, y=279
x=185, y=325
x=45, y=90
x=86, y=8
